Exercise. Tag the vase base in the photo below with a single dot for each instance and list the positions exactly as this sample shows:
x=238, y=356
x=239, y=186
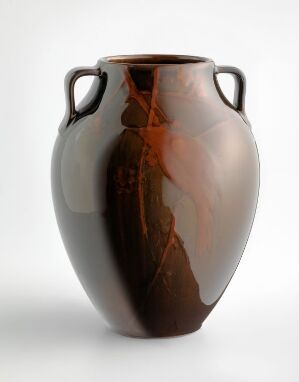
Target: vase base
x=156, y=336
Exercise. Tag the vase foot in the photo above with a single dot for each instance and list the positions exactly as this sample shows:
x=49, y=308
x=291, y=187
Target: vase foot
x=156, y=336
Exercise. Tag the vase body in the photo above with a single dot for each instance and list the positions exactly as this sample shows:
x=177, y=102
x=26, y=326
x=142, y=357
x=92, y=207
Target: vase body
x=155, y=182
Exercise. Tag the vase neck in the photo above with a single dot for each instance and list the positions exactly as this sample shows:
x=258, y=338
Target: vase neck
x=161, y=74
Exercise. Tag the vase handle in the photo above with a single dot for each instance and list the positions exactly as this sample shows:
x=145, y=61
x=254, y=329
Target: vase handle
x=240, y=88
x=69, y=87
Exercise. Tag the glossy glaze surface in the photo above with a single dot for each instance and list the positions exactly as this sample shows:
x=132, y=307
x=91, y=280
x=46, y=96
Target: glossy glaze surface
x=155, y=184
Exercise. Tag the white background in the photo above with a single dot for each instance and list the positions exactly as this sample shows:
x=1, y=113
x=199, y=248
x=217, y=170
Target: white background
x=49, y=330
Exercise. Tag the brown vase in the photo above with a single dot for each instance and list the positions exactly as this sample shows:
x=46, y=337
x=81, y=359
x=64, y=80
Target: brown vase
x=155, y=181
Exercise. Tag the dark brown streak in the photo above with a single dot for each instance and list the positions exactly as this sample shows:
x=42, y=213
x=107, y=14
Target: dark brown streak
x=140, y=191
x=133, y=92
x=153, y=100
x=169, y=243
x=140, y=174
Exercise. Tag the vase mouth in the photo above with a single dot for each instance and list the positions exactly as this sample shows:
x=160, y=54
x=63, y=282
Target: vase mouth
x=154, y=59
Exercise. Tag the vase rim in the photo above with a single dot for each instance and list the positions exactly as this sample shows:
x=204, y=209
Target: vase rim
x=154, y=59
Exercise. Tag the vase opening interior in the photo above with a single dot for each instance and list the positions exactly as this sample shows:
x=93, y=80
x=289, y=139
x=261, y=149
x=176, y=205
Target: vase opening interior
x=154, y=59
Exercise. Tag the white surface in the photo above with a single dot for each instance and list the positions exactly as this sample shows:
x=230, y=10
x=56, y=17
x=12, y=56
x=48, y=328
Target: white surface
x=48, y=329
